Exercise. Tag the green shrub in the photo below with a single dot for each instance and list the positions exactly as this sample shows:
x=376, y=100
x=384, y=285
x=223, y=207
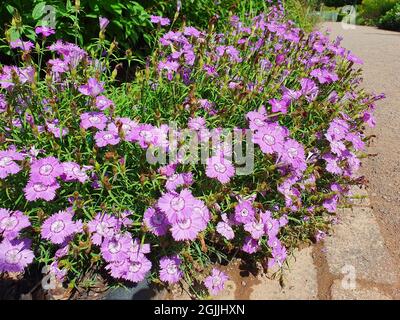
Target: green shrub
x=374, y=9
x=391, y=20
x=339, y=3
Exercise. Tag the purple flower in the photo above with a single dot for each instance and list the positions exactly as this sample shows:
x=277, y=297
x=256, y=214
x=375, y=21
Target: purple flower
x=73, y=172
x=216, y=281
x=8, y=165
x=176, y=206
x=93, y=88
x=45, y=31
x=293, y=153
x=309, y=89
x=58, y=227
x=14, y=256
x=279, y=105
x=337, y=130
x=331, y=203
x=256, y=229
x=46, y=170
x=257, y=119
x=105, y=138
x=224, y=229
x=244, y=212
x=220, y=169
x=12, y=222
x=170, y=269
x=187, y=228
x=116, y=248
x=160, y=20
x=36, y=190
x=324, y=76
x=23, y=45
x=269, y=138
x=278, y=256
x=178, y=180
x=135, y=270
x=170, y=66
x=197, y=123
x=156, y=221
x=102, y=226
x=93, y=120
x=103, y=22
x=191, y=32
x=250, y=245
x=103, y=103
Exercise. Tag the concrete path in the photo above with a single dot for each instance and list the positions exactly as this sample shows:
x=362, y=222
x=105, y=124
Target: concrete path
x=361, y=259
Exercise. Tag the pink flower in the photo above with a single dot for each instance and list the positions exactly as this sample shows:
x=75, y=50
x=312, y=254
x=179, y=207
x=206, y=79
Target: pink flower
x=187, y=228
x=93, y=88
x=244, y=212
x=105, y=138
x=269, y=138
x=170, y=269
x=37, y=190
x=44, y=31
x=257, y=119
x=103, y=103
x=279, y=105
x=14, y=256
x=156, y=221
x=256, y=229
x=160, y=20
x=93, y=120
x=250, y=245
x=176, y=206
x=216, y=281
x=73, y=172
x=102, y=226
x=46, y=170
x=197, y=123
x=58, y=227
x=225, y=230
x=220, y=169
x=8, y=165
x=135, y=270
x=116, y=248
x=12, y=222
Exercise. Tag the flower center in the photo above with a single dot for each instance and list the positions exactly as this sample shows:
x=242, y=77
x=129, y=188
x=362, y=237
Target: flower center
x=114, y=247
x=217, y=281
x=13, y=256
x=57, y=226
x=185, y=224
x=172, y=269
x=5, y=161
x=292, y=152
x=94, y=119
x=135, y=266
x=219, y=167
x=46, y=169
x=101, y=228
x=8, y=223
x=258, y=226
x=269, y=140
x=39, y=187
x=158, y=219
x=244, y=213
x=258, y=122
x=177, y=203
x=126, y=127
x=108, y=136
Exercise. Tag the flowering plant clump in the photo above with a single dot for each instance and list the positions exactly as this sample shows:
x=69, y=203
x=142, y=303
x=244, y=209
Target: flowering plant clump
x=244, y=140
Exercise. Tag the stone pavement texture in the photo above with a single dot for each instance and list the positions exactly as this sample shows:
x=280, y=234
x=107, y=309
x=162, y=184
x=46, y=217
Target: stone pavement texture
x=360, y=260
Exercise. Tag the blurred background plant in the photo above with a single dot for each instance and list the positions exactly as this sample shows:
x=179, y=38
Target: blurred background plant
x=391, y=19
x=130, y=27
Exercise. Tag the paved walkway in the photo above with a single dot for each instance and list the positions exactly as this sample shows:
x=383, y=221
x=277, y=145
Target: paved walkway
x=360, y=260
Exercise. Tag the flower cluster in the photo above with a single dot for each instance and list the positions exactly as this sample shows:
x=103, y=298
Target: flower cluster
x=77, y=187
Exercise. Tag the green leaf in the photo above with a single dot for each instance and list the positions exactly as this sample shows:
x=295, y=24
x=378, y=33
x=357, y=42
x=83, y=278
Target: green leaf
x=38, y=10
